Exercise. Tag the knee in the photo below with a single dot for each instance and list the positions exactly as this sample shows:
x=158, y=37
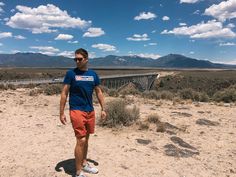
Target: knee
x=81, y=141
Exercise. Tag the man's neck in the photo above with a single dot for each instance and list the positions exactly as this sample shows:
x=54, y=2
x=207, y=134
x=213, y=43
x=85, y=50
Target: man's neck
x=83, y=68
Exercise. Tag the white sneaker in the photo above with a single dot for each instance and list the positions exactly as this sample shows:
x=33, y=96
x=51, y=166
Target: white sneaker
x=87, y=168
x=80, y=175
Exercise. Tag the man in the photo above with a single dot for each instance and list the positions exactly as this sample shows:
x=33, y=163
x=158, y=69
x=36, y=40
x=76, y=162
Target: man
x=80, y=84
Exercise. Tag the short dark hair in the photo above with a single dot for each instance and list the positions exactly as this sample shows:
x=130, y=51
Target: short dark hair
x=82, y=52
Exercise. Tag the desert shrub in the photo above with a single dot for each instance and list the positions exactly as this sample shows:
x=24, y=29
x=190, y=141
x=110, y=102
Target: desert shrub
x=118, y=114
x=113, y=93
x=143, y=125
x=158, y=95
x=3, y=87
x=51, y=89
x=150, y=94
x=153, y=118
x=35, y=92
x=189, y=93
x=129, y=89
x=227, y=95
x=11, y=87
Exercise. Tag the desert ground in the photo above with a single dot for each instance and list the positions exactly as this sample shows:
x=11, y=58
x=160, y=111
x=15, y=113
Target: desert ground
x=199, y=140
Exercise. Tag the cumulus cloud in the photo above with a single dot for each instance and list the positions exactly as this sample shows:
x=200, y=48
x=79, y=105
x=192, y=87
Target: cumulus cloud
x=138, y=37
x=47, y=50
x=230, y=25
x=227, y=44
x=5, y=35
x=145, y=16
x=73, y=42
x=44, y=19
x=94, y=32
x=211, y=29
x=69, y=54
x=64, y=37
x=19, y=37
x=165, y=18
x=182, y=24
x=1, y=9
x=189, y=1
x=223, y=11
x=104, y=47
x=147, y=55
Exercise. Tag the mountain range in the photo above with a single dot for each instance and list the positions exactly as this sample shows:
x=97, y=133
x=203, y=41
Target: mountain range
x=168, y=61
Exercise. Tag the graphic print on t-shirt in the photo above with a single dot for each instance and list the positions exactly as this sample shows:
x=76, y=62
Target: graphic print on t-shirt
x=84, y=78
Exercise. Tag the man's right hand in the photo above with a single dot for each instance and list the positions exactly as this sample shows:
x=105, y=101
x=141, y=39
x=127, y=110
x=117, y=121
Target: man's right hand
x=63, y=119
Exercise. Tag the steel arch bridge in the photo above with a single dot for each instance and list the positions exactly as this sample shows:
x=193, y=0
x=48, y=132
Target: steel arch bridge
x=143, y=81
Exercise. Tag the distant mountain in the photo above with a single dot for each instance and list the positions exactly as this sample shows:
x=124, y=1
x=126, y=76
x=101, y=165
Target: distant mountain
x=168, y=61
x=34, y=60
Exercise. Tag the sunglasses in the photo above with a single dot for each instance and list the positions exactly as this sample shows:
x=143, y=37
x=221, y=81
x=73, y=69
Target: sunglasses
x=78, y=59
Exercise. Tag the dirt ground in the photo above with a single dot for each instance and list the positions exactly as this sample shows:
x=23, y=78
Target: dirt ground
x=199, y=140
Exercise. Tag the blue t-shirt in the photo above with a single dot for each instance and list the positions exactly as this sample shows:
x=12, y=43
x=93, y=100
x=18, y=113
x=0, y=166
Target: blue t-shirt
x=82, y=84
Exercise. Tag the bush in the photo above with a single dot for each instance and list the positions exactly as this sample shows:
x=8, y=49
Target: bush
x=153, y=118
x=118, y=114
x=113, y=93
x=189, y=93
x=167, y=95
x=51, y=89
x=227, y=95
x=129, y=89
x=150, y=94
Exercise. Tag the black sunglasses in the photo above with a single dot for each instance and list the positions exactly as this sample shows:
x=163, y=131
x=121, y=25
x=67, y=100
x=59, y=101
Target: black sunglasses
x=78, y=59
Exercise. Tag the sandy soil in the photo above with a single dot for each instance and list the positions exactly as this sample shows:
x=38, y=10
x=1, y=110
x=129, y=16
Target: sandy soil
x=34, y=143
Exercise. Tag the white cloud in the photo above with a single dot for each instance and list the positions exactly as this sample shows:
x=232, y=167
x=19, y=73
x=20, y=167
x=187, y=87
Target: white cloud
x=231, y=25
x=227, y=44
x=189, y=1
x=5, y=19
x=73, y=42
x=153, y=43
x=15, y=51
x=104, y=47
x=19, y=37
x=196, y=12
x=192, y=52
x=211, y=29
x=145, y=16
x=182, y=24
x=1, y=9
x=64, y=37
x=165, y=18
x=223, y=11
x=92, y=55
x=1, y=44
x=154, y=31
x=13, y=10
x=94, y=32
x=147, y=55
x=47, y=50
x=69, y=54
x=138, y=37
x=44, y=19
x=5, y=35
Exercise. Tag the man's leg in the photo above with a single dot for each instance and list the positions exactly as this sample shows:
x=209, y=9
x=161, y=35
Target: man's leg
x=85, y=150
x=79, y=153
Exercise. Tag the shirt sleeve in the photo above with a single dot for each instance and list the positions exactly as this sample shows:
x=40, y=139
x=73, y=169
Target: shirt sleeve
x=67, y=78
x=97, y=80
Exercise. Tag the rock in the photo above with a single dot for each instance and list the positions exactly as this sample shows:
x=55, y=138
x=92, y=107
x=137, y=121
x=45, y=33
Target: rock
x=143, y=141
x=206, y=122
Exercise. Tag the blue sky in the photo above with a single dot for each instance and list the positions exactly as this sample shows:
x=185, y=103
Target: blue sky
x=202, y=29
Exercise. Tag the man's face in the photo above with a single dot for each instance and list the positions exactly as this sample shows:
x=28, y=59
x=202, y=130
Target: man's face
x=80, y=60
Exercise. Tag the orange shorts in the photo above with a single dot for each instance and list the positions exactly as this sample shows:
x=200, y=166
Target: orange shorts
x=83, y=123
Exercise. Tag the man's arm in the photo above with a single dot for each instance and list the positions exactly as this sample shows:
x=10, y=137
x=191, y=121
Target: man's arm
x=100, y=97
x=64, y=94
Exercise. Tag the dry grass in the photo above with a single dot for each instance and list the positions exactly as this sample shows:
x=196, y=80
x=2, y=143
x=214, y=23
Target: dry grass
x=118, y=114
